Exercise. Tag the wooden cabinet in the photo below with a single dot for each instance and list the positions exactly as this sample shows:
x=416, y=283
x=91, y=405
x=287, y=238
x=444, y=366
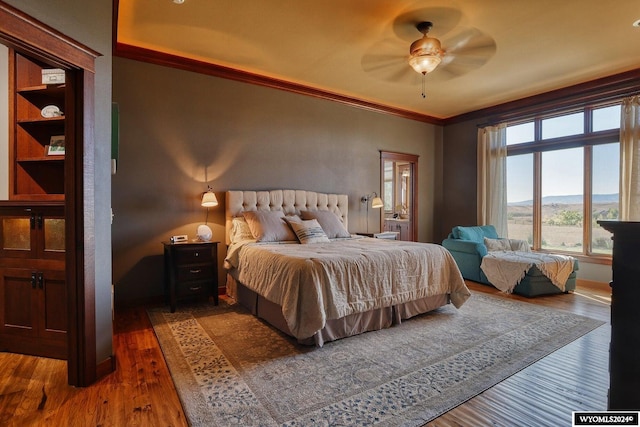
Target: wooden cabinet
x=191, y=271
x=624, y=362
x=33, y=297
x=36, y=171
x=400, y=226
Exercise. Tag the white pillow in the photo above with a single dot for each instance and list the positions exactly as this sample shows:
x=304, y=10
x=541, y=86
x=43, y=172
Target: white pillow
x=269, y=226
x=240, y=230
x=497, y=244
x=519, y=245
x=330, y=223
x=309, y=231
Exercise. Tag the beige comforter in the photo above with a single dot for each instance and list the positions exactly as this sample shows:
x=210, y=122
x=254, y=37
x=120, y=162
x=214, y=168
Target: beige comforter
x=317, y=282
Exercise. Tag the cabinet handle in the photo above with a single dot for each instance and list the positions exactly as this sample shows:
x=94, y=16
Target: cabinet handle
x=40, y=280
x=195, y=271
x=196, y=254
x=39, y=222
x=32, y=221
x=195, y=288
x=33, y=279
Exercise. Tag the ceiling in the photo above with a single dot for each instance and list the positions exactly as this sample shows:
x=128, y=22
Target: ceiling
x=359, y=48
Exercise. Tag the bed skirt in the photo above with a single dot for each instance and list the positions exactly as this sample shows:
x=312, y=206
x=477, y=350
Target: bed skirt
x=334, y=329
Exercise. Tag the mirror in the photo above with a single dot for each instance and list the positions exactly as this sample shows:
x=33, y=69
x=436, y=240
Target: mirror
x=399, y=188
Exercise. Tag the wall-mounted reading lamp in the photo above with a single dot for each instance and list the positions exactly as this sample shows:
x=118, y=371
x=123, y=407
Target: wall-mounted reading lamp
x=376, y=203
x=209, y=200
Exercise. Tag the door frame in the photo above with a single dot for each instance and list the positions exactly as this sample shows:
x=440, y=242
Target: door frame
x=34, y=38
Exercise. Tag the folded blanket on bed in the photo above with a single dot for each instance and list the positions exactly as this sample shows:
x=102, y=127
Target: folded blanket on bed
x=323, y=281
x=505, y=269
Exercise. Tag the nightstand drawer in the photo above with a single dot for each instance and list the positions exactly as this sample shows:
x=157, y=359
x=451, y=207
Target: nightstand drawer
x=192, y=254
x=187, y=289
x=195, y=272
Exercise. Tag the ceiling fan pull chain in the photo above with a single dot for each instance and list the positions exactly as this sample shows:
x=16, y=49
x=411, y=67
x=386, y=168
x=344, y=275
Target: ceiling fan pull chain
x=423, y=94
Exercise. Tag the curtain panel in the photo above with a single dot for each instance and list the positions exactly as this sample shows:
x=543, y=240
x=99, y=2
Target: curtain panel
x=630, y=159
x=492, y=177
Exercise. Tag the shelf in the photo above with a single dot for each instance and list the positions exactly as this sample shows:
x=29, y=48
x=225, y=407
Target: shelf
x=52, y=90
x=53, y=158
x=41, y=121
x=35, y=175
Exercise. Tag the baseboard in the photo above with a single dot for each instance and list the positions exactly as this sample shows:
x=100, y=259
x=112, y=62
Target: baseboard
x=106, y=367
x=592, y=284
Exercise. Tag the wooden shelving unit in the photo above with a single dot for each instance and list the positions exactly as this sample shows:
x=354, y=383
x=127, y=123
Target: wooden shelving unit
x=34, y=173
x=33, y=290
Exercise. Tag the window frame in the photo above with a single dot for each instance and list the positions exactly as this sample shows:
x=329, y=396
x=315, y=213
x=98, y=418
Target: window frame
x=586, y=140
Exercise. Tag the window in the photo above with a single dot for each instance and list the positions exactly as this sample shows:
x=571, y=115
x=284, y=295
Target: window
x=562, y=177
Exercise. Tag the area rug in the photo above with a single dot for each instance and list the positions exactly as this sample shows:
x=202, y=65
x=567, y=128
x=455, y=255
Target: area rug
x=230, y=368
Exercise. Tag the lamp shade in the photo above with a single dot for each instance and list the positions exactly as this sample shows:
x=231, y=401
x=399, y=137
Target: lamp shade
x=425, y=54
x=377, y=203
x=209, y=199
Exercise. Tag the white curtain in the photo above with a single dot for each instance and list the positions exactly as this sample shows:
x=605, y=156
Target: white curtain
x=630, y=159
x=492, y=177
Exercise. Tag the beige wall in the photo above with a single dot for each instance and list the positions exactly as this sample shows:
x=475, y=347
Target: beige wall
x=180, y=130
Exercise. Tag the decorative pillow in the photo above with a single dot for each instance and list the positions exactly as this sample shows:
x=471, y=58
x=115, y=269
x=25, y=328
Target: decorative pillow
x=519, y=245
x=497, y=244
x=269, y=226
x=240, y=230
x=330, y=223
x=309, y=231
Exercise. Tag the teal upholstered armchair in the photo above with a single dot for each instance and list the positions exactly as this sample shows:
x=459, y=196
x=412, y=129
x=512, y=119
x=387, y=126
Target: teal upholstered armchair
x=467, y=245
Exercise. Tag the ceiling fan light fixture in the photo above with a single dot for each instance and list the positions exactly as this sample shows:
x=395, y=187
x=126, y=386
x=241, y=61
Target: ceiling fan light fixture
x=426, y=53
x=424, y=63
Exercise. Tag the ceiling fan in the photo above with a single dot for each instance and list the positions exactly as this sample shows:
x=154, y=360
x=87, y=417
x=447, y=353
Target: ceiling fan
x=453, y=50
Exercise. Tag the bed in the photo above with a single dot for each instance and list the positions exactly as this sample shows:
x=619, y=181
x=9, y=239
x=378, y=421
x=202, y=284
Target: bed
x=292, y=262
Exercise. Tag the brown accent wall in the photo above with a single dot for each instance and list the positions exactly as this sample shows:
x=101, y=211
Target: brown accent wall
x=458, y=178
x=180, y=130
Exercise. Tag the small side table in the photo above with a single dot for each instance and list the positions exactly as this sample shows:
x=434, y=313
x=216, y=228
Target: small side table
x=190, y=271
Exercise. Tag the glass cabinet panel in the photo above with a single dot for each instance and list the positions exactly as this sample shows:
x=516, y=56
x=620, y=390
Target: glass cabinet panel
x=16, y=234
x=54, y=234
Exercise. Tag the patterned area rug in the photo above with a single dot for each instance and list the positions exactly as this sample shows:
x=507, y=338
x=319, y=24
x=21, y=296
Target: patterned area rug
x=230, y=368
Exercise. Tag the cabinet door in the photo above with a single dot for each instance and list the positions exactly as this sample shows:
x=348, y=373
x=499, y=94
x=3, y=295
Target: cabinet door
x=18, y=307
x=52, y=304
x=32, y=233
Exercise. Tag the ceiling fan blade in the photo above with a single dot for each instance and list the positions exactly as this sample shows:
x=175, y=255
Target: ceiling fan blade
x=387, y=61
x=465, y=51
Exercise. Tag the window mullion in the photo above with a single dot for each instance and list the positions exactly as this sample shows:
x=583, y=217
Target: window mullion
x=587, y=223
x=537, y=201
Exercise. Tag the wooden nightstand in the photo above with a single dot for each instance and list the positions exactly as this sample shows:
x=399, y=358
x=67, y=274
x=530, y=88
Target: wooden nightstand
x=190, y=271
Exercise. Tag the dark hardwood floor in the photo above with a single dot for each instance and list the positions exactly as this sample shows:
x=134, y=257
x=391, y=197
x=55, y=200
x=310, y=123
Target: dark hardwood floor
x=34, y=391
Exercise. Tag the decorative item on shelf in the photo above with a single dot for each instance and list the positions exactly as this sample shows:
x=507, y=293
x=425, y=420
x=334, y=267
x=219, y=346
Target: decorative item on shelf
x=51, y=111
x=209, y=199
x=52, y=76
x=376, y=203
x=56, y=145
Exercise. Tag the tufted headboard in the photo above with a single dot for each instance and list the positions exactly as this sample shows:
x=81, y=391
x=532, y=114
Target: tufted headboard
x=289, y=201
